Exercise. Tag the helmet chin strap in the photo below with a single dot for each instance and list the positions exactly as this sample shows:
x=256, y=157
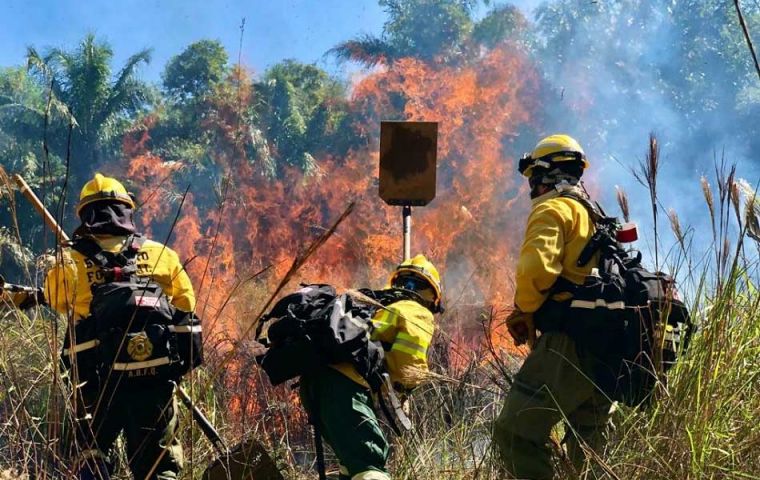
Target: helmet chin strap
x=538, y=190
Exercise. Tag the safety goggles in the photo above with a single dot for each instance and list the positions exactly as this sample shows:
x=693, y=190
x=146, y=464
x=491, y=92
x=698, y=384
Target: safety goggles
x=527, y=162
x=411, y=282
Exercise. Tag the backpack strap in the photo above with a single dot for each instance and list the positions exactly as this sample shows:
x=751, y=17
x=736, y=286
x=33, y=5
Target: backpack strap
x=116, y=266
x=88, y=247
x=604, y=239
x=595, y=211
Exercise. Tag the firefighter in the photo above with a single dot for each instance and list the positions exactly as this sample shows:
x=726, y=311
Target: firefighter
x=134, y=396
x=340, y=400
x=553, y=384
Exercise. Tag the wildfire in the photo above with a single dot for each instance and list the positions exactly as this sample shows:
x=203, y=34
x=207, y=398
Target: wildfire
x=471, y=230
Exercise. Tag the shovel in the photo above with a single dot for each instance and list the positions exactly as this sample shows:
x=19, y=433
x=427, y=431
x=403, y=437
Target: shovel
x=246, y=461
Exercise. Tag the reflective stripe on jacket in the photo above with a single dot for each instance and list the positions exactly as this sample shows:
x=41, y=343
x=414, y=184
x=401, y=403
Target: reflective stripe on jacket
x=557, y=231
x=67, y=286
x=405, y=328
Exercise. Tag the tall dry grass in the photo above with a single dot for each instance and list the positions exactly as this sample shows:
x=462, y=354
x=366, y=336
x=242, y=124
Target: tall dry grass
x=704, y=424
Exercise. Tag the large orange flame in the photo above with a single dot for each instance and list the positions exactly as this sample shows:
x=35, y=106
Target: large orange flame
x=471, y=230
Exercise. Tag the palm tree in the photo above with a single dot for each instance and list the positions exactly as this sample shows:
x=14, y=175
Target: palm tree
x=429, y=29
x=100, y=106
x=299, y=108
x=415, y=28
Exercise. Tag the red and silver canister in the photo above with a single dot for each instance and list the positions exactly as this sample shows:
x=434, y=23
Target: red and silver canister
x=627, y=233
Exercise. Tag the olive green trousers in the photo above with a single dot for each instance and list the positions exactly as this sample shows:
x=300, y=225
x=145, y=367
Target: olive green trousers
x=550, y=388
x=348, y=423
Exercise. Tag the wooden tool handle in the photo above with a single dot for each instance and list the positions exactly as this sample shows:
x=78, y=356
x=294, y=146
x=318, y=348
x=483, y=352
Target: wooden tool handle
x=27, y=191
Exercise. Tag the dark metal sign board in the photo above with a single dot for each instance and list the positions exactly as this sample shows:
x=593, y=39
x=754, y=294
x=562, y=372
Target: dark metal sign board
x=408, y=155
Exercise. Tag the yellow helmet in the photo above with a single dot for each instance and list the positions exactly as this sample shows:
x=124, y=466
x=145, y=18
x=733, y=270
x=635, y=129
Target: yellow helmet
x=103, y=188
x=550, y=150
x=420, y=267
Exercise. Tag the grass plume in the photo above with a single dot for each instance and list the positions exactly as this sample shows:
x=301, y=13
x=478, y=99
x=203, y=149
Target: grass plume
x=675, y=225
x=647, y=176
x=752, y=209
x=707, y=192
x=622, y=200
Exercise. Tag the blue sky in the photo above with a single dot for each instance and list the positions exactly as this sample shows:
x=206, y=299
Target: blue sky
x=274, y=30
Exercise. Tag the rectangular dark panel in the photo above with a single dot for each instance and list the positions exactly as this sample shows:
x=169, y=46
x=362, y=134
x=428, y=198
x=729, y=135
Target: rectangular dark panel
x=408, y=155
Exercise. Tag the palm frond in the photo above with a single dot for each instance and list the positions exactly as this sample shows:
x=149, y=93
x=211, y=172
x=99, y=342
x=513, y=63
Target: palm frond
x=37, y=65
x=59, y=64
x=367, y=50
x=18, y=110
x=127, y=93
x=61, y=109
x=47, y=69
x=128, y=71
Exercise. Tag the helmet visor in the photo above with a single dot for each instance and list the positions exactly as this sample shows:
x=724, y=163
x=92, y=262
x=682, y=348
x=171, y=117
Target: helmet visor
x=416, y=284
x=411, y=282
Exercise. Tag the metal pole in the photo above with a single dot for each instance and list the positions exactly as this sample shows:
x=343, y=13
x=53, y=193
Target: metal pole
x=406, y=212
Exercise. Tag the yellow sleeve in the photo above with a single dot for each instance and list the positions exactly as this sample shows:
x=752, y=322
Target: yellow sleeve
x=61, y=284
x=407, y=358
x=180, y=289
x=541, y=255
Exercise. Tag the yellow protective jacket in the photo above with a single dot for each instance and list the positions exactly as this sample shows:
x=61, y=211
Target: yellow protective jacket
x=558, y=229
x=405, y=328
x=67, y=286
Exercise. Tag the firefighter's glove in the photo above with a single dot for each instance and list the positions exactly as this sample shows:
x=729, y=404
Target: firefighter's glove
x=520, y=326
x=22, y=300
x=20, y=296
x=31, y=299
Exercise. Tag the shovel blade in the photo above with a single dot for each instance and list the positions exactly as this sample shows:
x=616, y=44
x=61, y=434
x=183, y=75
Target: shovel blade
x=245, y=461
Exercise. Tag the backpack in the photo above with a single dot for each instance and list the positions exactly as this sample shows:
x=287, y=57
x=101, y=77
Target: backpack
x=133, y=335
x=628, y=322
x=315, y=326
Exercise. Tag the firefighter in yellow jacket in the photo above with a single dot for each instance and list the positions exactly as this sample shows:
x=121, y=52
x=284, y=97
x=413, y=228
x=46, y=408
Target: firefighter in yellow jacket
x=340, y=399
x=134, y=392
x=551, y=386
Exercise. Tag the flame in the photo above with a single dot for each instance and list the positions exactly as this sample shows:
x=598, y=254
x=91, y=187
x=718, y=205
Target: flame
x=471, y=231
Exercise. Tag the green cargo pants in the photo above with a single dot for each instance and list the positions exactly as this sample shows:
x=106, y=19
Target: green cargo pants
x=148, y=418
x=550, y=388
x=343, y=410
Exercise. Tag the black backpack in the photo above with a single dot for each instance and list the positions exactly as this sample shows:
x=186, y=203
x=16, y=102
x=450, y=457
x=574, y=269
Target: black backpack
x=133, y=336
x=315, y=326
x=628, y=323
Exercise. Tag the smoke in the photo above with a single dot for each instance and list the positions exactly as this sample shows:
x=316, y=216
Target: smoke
x=675, y=68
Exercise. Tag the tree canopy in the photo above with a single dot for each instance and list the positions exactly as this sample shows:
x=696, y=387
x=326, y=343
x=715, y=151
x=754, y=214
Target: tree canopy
x=193, y=73
x=100, y=105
